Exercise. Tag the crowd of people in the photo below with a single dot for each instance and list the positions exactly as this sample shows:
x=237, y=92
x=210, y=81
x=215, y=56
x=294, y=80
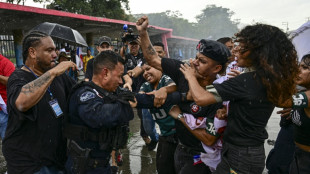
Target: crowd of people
x=211, y=111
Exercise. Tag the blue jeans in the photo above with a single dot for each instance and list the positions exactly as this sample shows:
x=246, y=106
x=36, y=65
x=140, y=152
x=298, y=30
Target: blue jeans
x=49, y=170
x=149, y=125
x=3, y=123
x=241, y=159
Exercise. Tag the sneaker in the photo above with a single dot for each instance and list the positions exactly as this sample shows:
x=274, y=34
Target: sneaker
x=114, y=169
x=152, y=145
x=147, y=140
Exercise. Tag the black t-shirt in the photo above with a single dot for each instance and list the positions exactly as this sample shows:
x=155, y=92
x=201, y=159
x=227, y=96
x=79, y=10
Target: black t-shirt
x=89, y=69
x=34, y=138
x=171, y=68
x=131, y=63
x=249, y=110
x=301, y=126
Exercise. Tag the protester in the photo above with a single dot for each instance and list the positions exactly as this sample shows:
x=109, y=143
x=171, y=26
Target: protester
x=189, y=141
x=102, y=116
x=37, y=107
x=301, y=119
x=6, y=69
x=167, y=140
x=270, y=59
x=134, y=60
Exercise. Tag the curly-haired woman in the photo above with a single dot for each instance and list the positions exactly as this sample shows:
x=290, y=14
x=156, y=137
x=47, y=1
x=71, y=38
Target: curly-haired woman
x=269, y=81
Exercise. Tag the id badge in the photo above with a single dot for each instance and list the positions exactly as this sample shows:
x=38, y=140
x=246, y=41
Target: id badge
x=56, y=108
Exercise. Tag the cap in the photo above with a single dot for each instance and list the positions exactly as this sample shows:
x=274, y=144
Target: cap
x=133, y=41
x=64, y=54
x=214, y=50
x=104, y=39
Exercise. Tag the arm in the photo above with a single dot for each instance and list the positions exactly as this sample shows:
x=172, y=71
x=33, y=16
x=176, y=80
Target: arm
x=3, y=80
x=128, y=82
x=198, y=93
x=32, y=92
x=199, y=133
x=149, y=52
x=161, y=94
x=135, y=72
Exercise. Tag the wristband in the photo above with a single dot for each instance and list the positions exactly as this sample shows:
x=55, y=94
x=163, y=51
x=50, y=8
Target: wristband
x=180, y=116
x=300, y=100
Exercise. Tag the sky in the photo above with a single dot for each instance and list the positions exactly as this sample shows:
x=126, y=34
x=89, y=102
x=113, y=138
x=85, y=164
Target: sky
x=274, y=12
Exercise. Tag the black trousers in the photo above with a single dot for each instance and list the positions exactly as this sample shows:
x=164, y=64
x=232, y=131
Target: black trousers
x=165, y=154
x=142, y=131
x=184, y=162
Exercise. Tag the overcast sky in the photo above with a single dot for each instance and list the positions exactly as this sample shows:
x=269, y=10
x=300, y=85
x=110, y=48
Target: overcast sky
x=274, y=12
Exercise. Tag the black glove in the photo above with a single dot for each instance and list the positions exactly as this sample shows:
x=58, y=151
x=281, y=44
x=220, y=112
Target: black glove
x=124, y=94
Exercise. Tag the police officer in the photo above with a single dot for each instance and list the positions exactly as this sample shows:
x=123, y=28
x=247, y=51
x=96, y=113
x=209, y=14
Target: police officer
x=98, y=117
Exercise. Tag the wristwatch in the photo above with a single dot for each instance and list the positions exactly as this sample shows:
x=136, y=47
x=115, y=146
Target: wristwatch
x=180, y=116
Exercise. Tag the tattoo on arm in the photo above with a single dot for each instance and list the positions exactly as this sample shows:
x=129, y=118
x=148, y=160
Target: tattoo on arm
x=34, y=85
x=150, y=50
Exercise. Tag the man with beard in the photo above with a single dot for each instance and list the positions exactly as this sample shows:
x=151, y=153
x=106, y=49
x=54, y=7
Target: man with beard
x=37, y=108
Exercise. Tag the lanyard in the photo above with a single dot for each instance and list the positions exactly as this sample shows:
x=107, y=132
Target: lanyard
x=48, y=89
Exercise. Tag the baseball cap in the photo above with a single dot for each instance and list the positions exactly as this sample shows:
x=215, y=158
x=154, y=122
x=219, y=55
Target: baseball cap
x=64, y=54
x=133, y=42
x=214, y=50
x=104, y=39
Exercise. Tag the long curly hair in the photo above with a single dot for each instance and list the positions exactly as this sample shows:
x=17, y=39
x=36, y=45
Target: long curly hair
x=274, y=57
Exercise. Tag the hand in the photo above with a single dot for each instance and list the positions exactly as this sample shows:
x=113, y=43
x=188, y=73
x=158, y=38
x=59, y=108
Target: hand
x=128, y=86
x=160, y=96
x=285, y=113
x=139, y=41
x=133, y=104
x=131, y=73
x=233, y=73
x=175, y=111
x=221, y=113
x=142, y=23
x=188, y=70
x=62, y=67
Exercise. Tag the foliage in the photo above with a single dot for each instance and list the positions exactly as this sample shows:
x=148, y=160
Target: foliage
x=114, y=9
x=215, y=22
x=171, y=19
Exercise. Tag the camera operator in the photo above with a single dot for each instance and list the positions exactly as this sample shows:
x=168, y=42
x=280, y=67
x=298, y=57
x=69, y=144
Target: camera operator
x=134, y=59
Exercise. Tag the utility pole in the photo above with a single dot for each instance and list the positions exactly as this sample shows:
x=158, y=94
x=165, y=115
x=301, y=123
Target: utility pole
x=285, y=24
x=307, y=19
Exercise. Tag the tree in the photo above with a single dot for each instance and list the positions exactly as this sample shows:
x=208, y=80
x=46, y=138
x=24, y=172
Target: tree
x=173, y=20
x=215, y=22
x=114, y=9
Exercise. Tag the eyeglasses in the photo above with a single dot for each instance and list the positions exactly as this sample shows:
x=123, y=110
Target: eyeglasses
x=240, y=49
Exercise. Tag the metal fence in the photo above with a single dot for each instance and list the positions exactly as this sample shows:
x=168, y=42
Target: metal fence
x=7, y=46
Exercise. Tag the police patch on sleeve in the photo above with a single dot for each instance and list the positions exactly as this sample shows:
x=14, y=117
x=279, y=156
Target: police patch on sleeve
x=87, y=95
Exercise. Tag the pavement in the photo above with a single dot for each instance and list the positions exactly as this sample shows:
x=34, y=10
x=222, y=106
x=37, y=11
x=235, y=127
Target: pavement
x=138, y=160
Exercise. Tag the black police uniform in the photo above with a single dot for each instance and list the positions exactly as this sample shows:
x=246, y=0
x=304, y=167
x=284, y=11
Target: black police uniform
x=98, y=122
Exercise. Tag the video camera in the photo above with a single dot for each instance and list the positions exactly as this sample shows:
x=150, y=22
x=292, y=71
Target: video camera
x=127, y=35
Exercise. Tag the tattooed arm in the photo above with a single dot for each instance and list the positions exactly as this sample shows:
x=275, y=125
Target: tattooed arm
x=149, y=52
x=32, y=92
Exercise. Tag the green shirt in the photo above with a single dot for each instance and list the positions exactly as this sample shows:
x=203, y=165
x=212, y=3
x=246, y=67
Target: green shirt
x=165, y=122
